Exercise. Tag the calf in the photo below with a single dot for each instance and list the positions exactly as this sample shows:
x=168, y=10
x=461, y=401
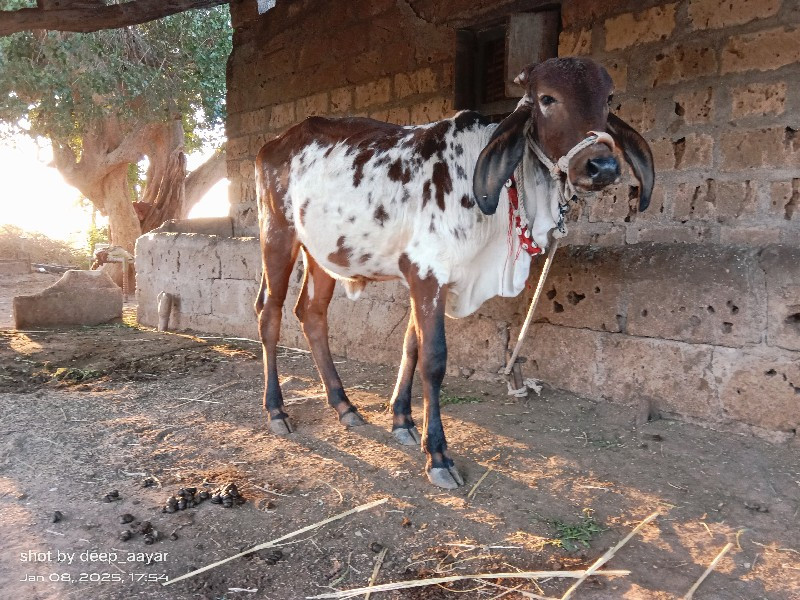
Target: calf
x=370, y=201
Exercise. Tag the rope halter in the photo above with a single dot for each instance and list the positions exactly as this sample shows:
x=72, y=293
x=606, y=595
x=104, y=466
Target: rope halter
x=561, y=166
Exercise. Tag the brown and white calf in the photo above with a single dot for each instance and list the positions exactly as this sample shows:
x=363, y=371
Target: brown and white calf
x=370, y=201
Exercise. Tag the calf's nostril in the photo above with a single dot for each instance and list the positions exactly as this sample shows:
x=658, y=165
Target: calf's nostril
x=602, y=170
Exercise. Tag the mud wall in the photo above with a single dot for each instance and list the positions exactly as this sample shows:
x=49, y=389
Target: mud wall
x=692, y=307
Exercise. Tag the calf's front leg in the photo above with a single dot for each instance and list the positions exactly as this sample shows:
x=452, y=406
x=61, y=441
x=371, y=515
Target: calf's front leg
x=427, y=304
x=403, y=427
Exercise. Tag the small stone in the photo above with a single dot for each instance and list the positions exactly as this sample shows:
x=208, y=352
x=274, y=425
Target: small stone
x=216, y=499
x=148, y=482
x=182, y=504
x=204, y=495
x=173, y=536
x=406, y=522
x=57, y=516
x=114, y=493
x=375, y=547
x=149, y=539
x=125, y=535
x=146, y=527
x=126, y=518
x=191, y=490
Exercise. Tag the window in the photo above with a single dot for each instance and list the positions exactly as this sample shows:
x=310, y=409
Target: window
x=489, y=57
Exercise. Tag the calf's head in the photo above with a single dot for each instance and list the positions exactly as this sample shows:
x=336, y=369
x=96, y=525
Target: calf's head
x=566, y=100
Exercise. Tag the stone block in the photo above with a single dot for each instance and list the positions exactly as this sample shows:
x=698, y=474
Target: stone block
x=696, y=106
x=759, y=99
x=373, y=93
x=763, y=50
x=282, y=116
x=785, y=199
x=476, y=342
x=240, y=258
x=585, y=288
x=695, y=294
x=564, y=357
x=221, y=226
x=723, y=201
x=14, y=267
x=614, y=203
x=576, y=42
x=781, y=265
x=422, y=81
x=581, y=11
x=78, y=298
x=715, y=14
x=693, y=151
x=432, y=110
x=760, y=235
x=759, y=386
x=756, y=148
x=618, y=70
x=638, y=112
x=399, y=115
x=341, y=100
x=672, y=376
x=682, y=62
x=686, y=233
x=653, y=24
x=232, y=300
x=316, y=104
x=594, y=234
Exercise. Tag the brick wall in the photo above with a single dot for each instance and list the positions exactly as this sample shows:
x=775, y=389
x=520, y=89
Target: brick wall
x=713, y=86
x=692, y=307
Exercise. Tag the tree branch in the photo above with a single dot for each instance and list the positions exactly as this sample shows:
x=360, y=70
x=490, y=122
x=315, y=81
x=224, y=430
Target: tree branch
x=82, y=18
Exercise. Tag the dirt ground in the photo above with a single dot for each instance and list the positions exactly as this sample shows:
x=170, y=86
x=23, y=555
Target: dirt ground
x=90, y=410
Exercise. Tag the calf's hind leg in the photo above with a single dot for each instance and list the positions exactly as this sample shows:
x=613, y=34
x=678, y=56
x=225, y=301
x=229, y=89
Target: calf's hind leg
x=312, y=311
x=403, y=427
x=279, y=255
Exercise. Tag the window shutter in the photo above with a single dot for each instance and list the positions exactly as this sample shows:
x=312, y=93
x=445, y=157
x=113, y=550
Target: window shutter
x=530, y=38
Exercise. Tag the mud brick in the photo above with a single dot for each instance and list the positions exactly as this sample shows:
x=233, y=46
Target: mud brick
x=714, y=14
x=759, y=99
x=374, y=92
x=764, y=50
x=650, y=25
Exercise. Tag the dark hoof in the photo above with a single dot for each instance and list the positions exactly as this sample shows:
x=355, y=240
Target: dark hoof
x=351, y=419
x=447, y=478
x=280, y=426
x=407, y=437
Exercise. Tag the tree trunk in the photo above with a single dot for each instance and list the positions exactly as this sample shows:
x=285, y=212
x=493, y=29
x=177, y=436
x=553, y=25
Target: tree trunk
x=164, y=193
x=203, y=178
x=124, y=225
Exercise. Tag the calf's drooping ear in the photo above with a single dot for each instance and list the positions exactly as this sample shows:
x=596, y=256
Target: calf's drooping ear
x=497, y=161
x=638, y=155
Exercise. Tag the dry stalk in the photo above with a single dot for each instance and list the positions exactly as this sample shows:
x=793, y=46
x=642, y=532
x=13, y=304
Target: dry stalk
x=606, y=557
x=403, y=585
x=477, y=483
x=273, y=543
x=710, y=568
x=374, y=577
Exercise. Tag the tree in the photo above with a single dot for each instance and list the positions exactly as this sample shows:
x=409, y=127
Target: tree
x=106, y=100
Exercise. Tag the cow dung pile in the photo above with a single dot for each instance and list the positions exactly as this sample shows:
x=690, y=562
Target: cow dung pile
x=227, y=495
x=145, y=528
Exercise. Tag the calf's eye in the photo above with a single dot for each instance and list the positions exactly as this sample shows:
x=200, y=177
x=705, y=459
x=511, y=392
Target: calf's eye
x=547, y=100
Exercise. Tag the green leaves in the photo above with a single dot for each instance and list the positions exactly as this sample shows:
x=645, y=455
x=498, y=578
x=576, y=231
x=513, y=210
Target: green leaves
x=63, y=83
